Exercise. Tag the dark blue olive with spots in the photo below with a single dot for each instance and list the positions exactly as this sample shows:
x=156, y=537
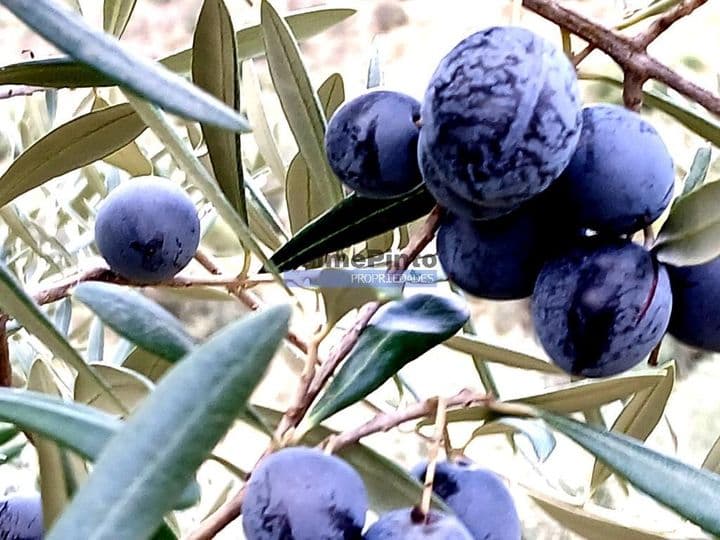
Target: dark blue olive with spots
x=602, y=307
x=621, y=176
x=500, y=121
x=477, y=496
x=304, y=494
x=371, y=144
x=21, y=518
x=147, y=230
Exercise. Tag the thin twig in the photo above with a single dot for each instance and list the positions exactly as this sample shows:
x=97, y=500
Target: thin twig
x=389, y=420
x=5, y=367
x=440, y=424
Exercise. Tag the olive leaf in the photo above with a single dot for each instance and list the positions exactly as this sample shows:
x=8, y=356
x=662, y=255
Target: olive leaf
x=349, y=222
x=68, y=73
x=135, y=479
x=136, y=318
x=692, y=493
x=81, y=141
x=639, y=417
x=215, y=70
x=398, y=333
x=691, y=234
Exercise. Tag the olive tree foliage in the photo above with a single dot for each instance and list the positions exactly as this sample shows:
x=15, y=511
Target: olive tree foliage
x=121, y=428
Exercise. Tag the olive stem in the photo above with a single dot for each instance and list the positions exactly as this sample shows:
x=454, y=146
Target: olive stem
x=440, y=423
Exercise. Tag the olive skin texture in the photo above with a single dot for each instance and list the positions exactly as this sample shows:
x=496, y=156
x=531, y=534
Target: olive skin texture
x=601, y=308
x=303, y=494
x=477, y=496
x=406, y=524
x=147, y=230
x=21, y=518
x=371, y=144
x=695, y=316
x=621, y=177
x=500, y=259
x=500, y=120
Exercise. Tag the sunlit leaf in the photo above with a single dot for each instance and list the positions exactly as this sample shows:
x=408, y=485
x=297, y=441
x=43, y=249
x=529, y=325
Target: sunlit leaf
x=72, y=35
x=490, y=353
x=80, y=142
x=116, y=14
x=639, y=417
x=215, y=70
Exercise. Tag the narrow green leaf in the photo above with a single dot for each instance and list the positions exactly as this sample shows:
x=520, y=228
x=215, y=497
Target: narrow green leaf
x=490, y=353
x=639, y=417
x=129, y=158
x=331, y=94
x=202, y=179
x=698, y=170
x=389, y=486
x=574, y=397
x=60, y=473
x=301, y=106
x=75, y=144
x=15, y=302
x=96, y=341
x=541, y=439
x=712, y=460
x=83, y=429
x=147, y=364
x=655, y=8
x=116, y=15
x=397, y=334
x=691, y=233
x=259, y=122
x=67, y=73
x=705, y=126
x=215, y=70
x=132, y=482
x=304, y=200
x=349, y=222
x=136, y=318
x=72, y=35
x=129, y=387
x=587, y=525
x=304, y=24
x=692, y=493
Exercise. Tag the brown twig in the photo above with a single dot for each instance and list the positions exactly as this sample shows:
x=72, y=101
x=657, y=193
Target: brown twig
x=387, y=421
x=63, y=288
x=630, y=53
x=5, y=367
